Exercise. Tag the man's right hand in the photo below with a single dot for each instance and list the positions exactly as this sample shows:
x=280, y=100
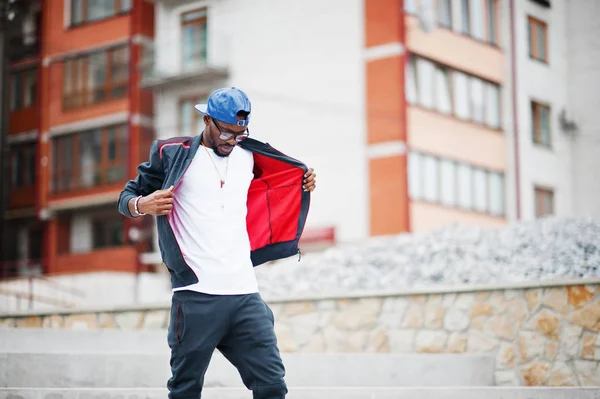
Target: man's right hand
x=158, y=203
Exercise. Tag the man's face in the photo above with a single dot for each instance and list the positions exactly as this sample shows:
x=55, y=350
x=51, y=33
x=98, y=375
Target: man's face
x=214, y=130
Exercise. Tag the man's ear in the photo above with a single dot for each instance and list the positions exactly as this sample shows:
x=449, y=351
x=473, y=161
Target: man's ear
x=206, y=119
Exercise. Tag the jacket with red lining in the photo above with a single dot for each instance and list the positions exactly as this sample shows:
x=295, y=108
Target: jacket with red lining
x=277, y=204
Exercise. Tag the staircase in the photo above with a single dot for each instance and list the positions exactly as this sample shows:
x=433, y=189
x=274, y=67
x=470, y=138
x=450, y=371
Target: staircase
x=107, y=364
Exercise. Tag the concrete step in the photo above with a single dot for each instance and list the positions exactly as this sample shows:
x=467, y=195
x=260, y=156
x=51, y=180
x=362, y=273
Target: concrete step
x=36, y=340
x=55, y=370
x=318, y=393
x=112, y=358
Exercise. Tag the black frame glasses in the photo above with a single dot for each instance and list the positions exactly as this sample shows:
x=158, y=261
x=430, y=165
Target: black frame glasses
x=226, y=136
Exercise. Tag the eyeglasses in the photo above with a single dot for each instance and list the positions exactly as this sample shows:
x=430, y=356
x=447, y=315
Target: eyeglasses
x=226, y=136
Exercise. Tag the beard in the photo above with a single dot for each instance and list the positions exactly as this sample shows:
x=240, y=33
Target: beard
x=215, y=148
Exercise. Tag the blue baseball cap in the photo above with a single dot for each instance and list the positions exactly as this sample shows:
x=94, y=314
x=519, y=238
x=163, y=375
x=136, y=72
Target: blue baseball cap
x=224, y=104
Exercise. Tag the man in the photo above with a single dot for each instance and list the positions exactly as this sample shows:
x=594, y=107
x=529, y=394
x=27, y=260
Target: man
x=223, y=203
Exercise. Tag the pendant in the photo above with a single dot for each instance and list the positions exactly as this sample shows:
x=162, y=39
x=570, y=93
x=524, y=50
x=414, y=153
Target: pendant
x=222, y=183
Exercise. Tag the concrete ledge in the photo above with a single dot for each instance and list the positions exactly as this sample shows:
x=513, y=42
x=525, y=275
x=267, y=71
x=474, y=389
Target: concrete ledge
x=90, y=370
x=317, y=393
x=438, y=289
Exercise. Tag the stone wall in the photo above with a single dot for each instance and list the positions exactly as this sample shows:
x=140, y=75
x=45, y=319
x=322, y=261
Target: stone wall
x=540, y=336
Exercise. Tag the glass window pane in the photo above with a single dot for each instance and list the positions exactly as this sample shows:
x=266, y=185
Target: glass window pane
x=477, y=24
x=30, y=88
x=97, y=76
x=111, y=139
x=530, y=38
x=491, y=21
x=448, y=182
x=63, y=163
x=119, y=64
x=442, y=91
x=411, y=81
x=194, y=35
x=465, y=26
x=431, y=178
x=544, y=125
x=90, y=154
x=461, y=95
x=496, y=184
x=100, y=9
x=477, y=100
x=125, y=5
x=30, y=165
x=188, y=45
x=16, y=91
x=425, y=76
x=540, y=42
x=15, y=169
x=119, y=71
x=445, y=13
x=480, y=181
x=76, y=12
x=465, y=187
x=116, y=233
x=415, y=185
x=492, y=105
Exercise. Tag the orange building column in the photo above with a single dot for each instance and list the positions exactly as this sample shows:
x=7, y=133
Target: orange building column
x=386, y=116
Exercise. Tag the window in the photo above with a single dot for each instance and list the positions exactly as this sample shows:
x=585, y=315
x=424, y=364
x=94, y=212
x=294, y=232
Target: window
x=455, y=184
x=477, y=22
x=96, y=77
x=480, y=189
x=442, y=91
x=538, y=40
x=465, y=187
x=90, y=158
x=430, y=178
x=544, y=202
x=540, y=118
x=492, y=21
x=445, y=13
x=462, y=104
x=410, y=6
x=107, y=232
x=84, y=11
x=496, y=193
x=23, y=89
x=191, y=122
x=451, y=92
x=425, y=82
x=448, y=182
x=492, y=109
x=477, y=100
x=22, y=165
x=465, y=25
x=194, y=35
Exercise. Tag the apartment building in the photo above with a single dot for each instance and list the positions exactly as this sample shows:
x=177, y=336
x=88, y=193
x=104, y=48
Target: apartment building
x=556, y=72
x=79, y=125
x=415, y=114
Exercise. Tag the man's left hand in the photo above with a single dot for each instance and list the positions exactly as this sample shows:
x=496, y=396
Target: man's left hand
x=310, y=182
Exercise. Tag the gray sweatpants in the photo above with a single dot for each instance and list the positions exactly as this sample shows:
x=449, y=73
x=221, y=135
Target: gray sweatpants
x=241, y=327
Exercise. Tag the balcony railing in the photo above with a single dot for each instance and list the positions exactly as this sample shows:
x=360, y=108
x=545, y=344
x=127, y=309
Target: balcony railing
x=24, y=286
x=159, y=70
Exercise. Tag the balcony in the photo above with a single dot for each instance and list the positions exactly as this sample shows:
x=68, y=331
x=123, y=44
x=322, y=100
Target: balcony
x=20, y=50
x=195, y=72
x=199, y=57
